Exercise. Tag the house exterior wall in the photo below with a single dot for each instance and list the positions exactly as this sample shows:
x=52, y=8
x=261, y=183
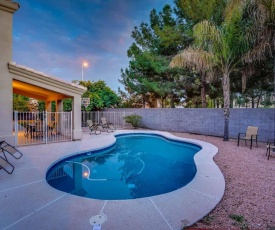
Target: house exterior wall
x=7, y=9
x=207, y=121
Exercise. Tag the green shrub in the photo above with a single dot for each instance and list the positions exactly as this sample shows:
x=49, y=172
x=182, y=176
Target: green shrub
x=133, y=119
x=239, y=220
x=208, y=219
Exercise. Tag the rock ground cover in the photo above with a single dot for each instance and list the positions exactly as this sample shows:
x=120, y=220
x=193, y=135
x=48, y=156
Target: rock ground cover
x=249, y=198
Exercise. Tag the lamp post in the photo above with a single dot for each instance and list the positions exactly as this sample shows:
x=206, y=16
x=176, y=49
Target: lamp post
x=84, y=64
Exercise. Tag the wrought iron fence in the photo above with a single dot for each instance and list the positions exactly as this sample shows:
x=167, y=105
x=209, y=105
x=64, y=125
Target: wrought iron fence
x=42, y=127
x=116, y=118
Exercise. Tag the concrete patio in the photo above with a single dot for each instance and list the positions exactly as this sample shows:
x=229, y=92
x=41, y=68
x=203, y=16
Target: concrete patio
x=28, y=202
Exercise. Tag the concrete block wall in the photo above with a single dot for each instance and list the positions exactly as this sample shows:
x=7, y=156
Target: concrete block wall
x=207, y=121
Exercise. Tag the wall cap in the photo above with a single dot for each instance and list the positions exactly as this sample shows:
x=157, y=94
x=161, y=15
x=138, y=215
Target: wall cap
x=9, y=6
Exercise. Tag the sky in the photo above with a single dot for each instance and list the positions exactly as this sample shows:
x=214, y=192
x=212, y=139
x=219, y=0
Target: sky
x=56, y=36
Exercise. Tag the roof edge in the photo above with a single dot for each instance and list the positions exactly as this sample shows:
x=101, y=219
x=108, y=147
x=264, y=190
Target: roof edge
x=39, y=75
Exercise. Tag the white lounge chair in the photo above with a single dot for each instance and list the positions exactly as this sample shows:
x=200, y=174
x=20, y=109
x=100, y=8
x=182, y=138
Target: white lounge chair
x=94, y=127
x=108, y=126
x=4, y=164
x=7, y=148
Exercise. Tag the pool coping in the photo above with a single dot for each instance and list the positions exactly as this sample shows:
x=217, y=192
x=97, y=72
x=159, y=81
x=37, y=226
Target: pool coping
x=172, y=210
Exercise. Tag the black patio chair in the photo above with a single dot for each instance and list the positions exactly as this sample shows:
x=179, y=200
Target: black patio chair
x=270, y=145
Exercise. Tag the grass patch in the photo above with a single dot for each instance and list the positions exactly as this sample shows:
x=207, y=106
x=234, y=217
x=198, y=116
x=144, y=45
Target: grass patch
x=239, y=221
x=207, y=220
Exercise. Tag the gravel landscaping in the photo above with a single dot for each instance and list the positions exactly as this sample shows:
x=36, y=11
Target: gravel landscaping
x=249, y=199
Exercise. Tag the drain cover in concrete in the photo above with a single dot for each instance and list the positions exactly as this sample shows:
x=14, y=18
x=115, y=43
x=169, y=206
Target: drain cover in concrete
x=97, y=219
x=97, y=227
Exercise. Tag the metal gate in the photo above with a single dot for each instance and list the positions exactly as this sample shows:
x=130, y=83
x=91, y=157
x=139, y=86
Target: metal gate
x=42, y=127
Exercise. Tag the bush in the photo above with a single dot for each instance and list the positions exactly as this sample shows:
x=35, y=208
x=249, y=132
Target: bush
x=133, y=119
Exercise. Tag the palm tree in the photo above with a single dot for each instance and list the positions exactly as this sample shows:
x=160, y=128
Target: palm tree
x=195, y=59
x=261, y=34
x=226, y=46
x=262, y=31
x=221, y=48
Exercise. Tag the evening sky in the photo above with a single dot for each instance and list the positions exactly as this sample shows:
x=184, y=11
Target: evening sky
x=56, y=36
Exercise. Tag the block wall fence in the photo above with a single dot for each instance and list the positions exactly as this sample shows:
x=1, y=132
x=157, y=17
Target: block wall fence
x=207, y=121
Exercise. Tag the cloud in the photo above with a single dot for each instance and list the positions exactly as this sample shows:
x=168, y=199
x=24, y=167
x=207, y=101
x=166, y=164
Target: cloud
x=55, y=37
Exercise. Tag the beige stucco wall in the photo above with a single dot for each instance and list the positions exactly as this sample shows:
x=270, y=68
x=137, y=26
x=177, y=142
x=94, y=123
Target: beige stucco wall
x=6, y=109
x=77, y=131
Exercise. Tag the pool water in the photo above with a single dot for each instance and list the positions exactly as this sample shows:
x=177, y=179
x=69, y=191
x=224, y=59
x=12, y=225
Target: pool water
x=138, y=165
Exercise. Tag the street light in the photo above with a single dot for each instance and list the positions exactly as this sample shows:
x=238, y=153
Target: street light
x=84, y=64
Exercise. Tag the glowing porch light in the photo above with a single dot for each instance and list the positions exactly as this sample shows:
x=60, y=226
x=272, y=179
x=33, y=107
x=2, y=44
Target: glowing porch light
x=84, y=65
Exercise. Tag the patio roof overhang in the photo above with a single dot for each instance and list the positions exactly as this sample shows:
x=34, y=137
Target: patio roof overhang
x=32, y=91
x=34, y=84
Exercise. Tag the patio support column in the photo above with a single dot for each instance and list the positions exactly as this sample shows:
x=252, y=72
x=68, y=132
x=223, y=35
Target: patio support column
x=59, y=108
x=77, y=131
x=48, y=106
x=7, y=8
x=59, y=105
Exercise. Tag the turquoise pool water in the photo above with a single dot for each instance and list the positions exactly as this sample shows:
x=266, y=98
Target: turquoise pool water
x=138, y=165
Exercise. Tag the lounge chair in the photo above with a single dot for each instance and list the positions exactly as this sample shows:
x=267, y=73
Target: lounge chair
x=251, y=134
x=5, y=147
x=269, y=145
x=4, y=164
x=94, y=127
x=108, y=126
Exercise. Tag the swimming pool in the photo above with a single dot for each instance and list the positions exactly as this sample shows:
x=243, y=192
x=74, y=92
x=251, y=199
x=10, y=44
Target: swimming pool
x=137, y=165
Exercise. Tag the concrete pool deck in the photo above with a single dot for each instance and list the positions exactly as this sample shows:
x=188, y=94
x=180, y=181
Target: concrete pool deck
x=28, y=202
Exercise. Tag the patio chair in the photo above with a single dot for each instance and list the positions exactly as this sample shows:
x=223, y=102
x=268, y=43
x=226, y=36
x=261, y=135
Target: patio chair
x=94, y=127
x=4, y=164
x=108, y=126
x=270, y=145
x=251, y=134
x=51, y=128
x=30, y=130
x=5, y=147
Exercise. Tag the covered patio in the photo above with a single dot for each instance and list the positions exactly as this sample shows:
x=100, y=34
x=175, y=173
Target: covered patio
x=33, y=84
x=17, y=79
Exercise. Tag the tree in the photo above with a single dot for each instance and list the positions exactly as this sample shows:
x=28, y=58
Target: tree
x=196, y=59
x=101, y=96
x=20, y=103
x=261, y=35
x=261, y=83
x=67, y=105
x=196, y=11
x=148, y=74
x=129, y=100
x=223, y=48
